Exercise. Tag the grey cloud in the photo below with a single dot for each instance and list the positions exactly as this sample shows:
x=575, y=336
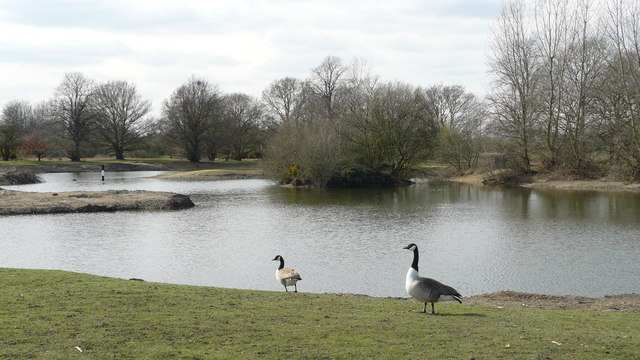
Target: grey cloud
x=69, y=55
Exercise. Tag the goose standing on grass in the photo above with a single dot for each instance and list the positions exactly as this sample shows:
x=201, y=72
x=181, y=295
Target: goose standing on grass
x=424, y=289
x=286, y=276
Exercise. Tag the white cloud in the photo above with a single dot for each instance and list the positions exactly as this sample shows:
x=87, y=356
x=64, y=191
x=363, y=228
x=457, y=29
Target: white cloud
x=241, y=45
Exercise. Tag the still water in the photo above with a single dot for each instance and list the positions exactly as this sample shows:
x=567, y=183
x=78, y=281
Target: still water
x=475, y=239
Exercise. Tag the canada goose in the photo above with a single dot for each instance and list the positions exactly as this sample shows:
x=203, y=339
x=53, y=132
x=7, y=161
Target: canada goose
x=286, y=276
x=424, y=289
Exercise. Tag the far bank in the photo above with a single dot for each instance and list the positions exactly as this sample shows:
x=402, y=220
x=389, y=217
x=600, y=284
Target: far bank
x=541, y=182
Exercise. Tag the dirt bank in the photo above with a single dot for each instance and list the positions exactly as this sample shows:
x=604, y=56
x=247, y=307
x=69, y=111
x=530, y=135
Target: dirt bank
x=584, y=185
x=542, y=183
x=19, y=202
x=212, y=174
x=625, y=303
x=622, y=303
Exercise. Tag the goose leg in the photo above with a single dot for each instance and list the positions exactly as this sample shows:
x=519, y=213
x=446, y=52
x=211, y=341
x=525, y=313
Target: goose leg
x=433, y=310
x=424, y=309
x=295, y=287
x=285, y=288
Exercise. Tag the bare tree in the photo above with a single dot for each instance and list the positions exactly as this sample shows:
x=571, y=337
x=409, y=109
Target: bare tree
x=284, y=100
x=460, y=117
x=623, y=31
x=359, y=87
x=584, y=73
x=552, y=20
x=72, y=109
x=515, y=65
x=119, y=109
x=326, y=80
x=460, y=149
x=190, y=114
x=451, y=105
x=241, y=117
x=397, y=129
x=15, y=116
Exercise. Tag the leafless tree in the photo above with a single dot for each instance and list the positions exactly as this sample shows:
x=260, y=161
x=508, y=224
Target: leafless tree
x=190, y=115
x=452, y=105
x=584, y=74
x=359, y=87
x=72, y=109
x=119, y=111
x=515, y=66
x=397, y=130
x=284, y=100
x=241, y=118
x=326, y=80
x=15, y=116
x=552, y=21
x=460, y=118
x=623, y=32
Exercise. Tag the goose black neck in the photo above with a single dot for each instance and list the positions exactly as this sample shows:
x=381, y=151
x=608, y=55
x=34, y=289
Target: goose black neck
x=281, y=263
x=415, y=258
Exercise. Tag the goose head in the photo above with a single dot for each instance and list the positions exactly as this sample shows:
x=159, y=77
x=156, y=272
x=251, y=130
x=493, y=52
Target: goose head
x=277, y=258
x=411, y=247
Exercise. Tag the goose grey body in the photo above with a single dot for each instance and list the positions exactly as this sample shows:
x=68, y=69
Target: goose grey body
x=286, y=276
x=427, y=290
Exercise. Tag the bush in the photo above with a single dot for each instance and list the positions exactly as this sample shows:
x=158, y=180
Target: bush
x=360, y=175
x=19, y=177
x=506, y=178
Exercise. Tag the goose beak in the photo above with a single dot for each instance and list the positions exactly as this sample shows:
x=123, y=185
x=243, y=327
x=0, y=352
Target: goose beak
x=406, y=247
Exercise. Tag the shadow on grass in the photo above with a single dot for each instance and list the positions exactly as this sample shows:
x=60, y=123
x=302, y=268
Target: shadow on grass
x=454, y=314
x=465, y=314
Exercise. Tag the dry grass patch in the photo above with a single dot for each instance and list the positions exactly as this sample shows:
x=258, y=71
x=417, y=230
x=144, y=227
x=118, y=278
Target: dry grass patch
x=213, y=174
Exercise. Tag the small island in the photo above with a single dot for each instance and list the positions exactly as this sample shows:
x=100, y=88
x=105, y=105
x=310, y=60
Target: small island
x=22, y=203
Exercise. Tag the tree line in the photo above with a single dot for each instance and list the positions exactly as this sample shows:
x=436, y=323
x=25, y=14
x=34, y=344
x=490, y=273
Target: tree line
x=84, y=119
x=564, y=98
x=341, y=126
x=566, y=86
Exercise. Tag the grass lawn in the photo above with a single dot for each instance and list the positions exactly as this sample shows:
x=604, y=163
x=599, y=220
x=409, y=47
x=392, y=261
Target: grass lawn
x=52, y=314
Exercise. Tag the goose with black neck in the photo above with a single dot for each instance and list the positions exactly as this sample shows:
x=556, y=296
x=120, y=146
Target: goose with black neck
x=427, y=290
x=286, y=276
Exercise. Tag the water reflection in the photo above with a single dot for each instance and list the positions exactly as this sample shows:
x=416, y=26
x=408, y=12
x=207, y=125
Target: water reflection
x=475, y=238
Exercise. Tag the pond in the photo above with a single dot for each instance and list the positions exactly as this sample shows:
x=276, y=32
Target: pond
x=476, y=239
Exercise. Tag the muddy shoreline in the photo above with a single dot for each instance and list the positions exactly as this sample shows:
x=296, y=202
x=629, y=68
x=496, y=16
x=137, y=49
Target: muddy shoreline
x=542, y=183
x=618, y=303
x=621, y=303
x=212, y=174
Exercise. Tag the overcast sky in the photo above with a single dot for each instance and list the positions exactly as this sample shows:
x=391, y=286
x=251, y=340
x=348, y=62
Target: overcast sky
x=240, y=45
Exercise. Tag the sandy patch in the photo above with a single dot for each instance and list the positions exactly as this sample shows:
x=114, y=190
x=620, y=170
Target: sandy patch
x=541, y=183
x=212, y=174
x=624, y=303
x=584, y=185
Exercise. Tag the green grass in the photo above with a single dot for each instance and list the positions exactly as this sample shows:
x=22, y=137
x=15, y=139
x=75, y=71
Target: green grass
x=174, y=163
x=22, y=162
x=46, y=314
